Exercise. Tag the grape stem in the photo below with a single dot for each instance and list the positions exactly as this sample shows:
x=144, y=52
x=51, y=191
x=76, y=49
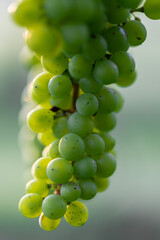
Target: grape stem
x=141, y=9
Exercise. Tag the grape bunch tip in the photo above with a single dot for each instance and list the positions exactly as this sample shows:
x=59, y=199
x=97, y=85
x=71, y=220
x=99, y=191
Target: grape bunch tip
x=77, y=56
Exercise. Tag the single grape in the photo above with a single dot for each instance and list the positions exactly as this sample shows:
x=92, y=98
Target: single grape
x=30, y=205
x=106, y=165
x=89, y=84
x=39, y=168
x=46, y=137
x=37, y=186
x=126, y=81
x=95, y=48
x=52, y=150
x=94, y=145
x=71, y=147
x=152, y=9
x=108, y=100
x=60, y=127
x=116, y=39
x=120, y=102
x=55, y=65
x=40, y=120
x=80, y=125
x=48, y=224
x=59, y=170
x=136, y=32
x=70, y=191
x=60, y=86
x=101, y=183
x=76, y=214
x=88, y=188
x=108, y=140
x=105, y=122
x=85, y=168
x=105, y=71
x=87, y=104
x=54, y=206
x=79, y=66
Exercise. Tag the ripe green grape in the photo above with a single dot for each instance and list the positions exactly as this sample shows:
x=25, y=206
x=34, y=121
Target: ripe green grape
x=55, y=65
x=120, y=101
x=79, y=66
x=101, y=183
x=76, y=214
x=152, y=9
x=116, y=39
x=60, y=127
x=59, y=170
x=52, y=150
x=70, y=191
x=105, y=122
x=108, y=140
x=108, y=100
x=60, y=86
x=105, y=71
x=126, y=81
x=89, y=84
x=95, y=48
x=71, y=147
x=87, y=104
x=48, y=224
x=40, y=120
x=88, y=188
x=37, y=186
x=39, y=168
x=54, y=206
x=106, y=165
x=46, y=137
x=94, y=145
x=30, y=205
x=80, y=125
x=136, y=32
x=85, y=168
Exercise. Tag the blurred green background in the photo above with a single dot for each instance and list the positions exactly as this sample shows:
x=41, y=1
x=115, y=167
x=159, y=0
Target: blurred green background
x=130, y=209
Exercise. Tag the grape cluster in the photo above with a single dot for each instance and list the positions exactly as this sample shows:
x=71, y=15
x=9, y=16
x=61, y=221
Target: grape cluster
x=78, y=48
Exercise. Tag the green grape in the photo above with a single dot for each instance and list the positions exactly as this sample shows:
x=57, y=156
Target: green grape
x=101, y=183
x=46, y=137
x=87, y=104
x=40, y=90
x=125, y=63
x=71, y=147
x=30, y=205
x=108, y=100
x=59, y=170
x=60, y=86
x=62, y=103
x=85, y=168
x=58, y=10
x=105, y=122
x=116, y=14
x=48, y=224
x=85, y=10
x=152, y=9
x=70, y=191
x=74, y=34
x=120, y=102
x=52, y=150
x=60, y=127
x=94, y=145
x=54, y=206
x=136, y=32
x=40, y=120
x=106, y=165
x=89, y=84
x=105, y=71
x=55, y=65
x=80, y=125
x=126, y=81
x=37, y=186
x=88, y=188
x=129, y=3
x=79, y=66
x=117, y=39
x=95, y=48
x=39, y=168
x=108, y=140
x=26, y=12
x=44, y=40
x=76, y=214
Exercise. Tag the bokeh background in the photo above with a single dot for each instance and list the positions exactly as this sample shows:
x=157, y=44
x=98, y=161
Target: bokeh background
x=130, y=209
